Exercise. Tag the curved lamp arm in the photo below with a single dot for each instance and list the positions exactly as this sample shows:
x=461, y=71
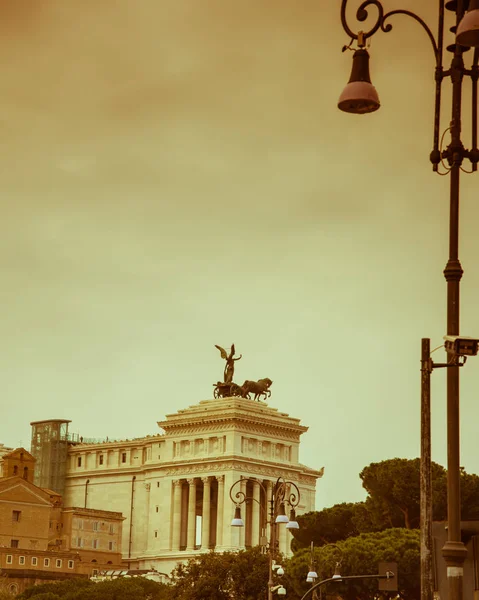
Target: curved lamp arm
x=240, y=497
x=362, y=14
x=279, y=493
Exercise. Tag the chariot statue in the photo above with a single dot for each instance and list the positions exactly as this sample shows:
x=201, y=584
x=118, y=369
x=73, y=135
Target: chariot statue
x=227, y=388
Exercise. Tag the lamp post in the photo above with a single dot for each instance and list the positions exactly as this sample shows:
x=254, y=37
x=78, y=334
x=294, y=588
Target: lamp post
x=361, y=97
x=281, y=495
x=312, y=574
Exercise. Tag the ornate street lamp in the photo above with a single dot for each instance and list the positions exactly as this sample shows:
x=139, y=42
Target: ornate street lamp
x=282, y=493
x=360, y=97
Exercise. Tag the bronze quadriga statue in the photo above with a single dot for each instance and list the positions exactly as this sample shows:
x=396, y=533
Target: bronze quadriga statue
x=228, y=388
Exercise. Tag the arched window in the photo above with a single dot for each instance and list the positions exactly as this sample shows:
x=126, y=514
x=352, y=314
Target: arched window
x=15, y=472
x=25, y=472
x=13, y=588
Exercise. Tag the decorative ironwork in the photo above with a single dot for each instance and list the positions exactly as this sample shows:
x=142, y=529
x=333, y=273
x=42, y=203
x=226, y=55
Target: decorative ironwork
x=282, y=492
x=362, y=15
x=455, y=153
x=356, y=98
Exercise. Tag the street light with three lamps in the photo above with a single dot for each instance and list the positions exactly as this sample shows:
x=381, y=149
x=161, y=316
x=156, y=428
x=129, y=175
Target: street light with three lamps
x=282, y=493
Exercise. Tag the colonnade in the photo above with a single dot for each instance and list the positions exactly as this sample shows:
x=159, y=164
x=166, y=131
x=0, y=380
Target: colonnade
x=202, y=512
x=197, y=497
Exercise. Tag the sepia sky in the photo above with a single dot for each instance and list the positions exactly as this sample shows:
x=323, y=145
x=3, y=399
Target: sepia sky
x=175, y=174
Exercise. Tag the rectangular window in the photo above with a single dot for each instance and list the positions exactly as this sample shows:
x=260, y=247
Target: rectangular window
x=110, y=545
x=94, y=544
x=70, y=564
x=13, y=543
x=79, y=542
x=34, y=561
x=46, y=562
x=9, y=559
x=95, y=525
x=156, y=534
x=16, y=515
x=112, y=529
x=79, y=461
x=95, y=572
x=80, y=523
x=123, y=457
x=158, y=483
x=58, y=563
x=157, y=508
x=100, y=459
x=21, y=560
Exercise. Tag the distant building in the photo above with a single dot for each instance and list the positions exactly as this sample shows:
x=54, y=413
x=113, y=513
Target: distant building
x=3, y=450
x=42, y=541
x=50, y=448
x=173, y=487
x=17, y=462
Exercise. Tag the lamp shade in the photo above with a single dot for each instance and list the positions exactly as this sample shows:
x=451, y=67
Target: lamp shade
x=292, y=524
x=311, y=576
x=237, y=520
x=359, y=96
x=281, y=518
x=337, y=574
x=468, y=29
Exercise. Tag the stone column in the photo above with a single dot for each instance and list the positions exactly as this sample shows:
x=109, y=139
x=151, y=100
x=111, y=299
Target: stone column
x=205, y=529
x=255, y=523
x=269, y=488
x=190, y=540
x=176, y=525
x=220, y=509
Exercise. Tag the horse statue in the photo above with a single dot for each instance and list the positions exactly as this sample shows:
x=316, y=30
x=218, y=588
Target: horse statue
x=258, y=388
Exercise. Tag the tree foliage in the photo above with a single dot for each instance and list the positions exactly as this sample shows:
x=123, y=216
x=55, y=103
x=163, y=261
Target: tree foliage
x=242, y=575
x=359, y=555
x=331, y=525
x=135, y=588
x=393, y=488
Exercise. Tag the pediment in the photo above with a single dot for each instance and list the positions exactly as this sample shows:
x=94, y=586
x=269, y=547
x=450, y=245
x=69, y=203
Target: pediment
x=20, y=491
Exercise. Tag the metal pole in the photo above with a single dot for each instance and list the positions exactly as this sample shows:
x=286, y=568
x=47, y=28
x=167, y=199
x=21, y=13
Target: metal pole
x=427, y=584
x=454, y=551
x=272, y=544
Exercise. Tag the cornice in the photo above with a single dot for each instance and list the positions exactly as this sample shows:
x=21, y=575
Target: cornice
x=235, y=410
x=210, y=466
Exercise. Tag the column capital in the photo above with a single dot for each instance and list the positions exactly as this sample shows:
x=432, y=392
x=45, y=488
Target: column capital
x=191, y=482
x=206, y=480
x=220, y=478
x=176, y=482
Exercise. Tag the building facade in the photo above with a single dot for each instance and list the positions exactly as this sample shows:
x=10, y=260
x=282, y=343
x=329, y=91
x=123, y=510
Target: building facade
x=41, y=541
x=173, y=488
